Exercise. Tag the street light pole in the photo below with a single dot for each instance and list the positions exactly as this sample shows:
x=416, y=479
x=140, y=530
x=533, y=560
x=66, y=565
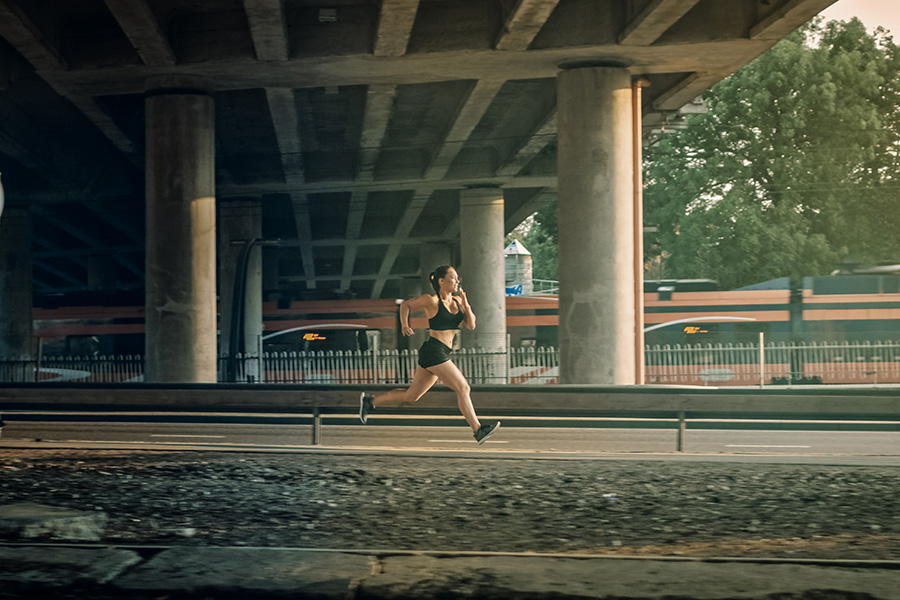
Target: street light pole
x=239, y=291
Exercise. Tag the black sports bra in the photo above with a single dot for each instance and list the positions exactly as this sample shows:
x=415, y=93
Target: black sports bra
x=444, y=319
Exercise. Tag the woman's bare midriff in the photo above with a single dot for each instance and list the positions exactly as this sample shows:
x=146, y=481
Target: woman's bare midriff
x=444, y=336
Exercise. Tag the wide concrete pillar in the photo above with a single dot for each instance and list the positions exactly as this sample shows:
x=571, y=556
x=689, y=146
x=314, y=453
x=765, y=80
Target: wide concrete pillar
x=181, y=240
x=482, y=272
x=240, y=222
x=596, y=233
x=16, y=334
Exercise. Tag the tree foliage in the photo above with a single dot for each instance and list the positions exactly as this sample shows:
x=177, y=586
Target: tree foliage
x=539, y=234
x=793, y=169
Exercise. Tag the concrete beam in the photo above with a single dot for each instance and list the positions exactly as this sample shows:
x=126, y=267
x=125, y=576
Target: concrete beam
x=364, y=242
x=395, y=23
x=308, y=71
x=84, y=237
x=523, y=24
x=451, y=231
x=107, y=126
x=466, y=120
x=28, y=157
x=142, y=28
x=379, y=108
x=686, y=90
x=116, y=221
x=59, y=273
x=268, y=28
x=283, y=109
x=58, y=252
x=391, y=277
x=358, y=202
x=787, y=17
x=657, y=17
x=75, y=256
x=404, y=227
x=534, y=143
x=534, y=204
x=304, y=232
x=26, y=37
x=226, y=189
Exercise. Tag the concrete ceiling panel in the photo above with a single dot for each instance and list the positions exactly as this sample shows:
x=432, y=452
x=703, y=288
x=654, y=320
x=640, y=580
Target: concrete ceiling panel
x=356, y=121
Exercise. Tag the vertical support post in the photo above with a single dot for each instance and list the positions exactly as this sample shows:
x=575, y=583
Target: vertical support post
x=317, y=427
x=240, y=281
x=682, y=431
x=637, y=176
x=762, y=359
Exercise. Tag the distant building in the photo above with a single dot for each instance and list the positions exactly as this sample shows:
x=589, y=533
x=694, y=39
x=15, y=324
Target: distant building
x=519, y=270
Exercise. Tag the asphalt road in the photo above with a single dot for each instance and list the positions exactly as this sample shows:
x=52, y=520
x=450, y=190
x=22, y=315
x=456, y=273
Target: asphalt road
x=455, y=435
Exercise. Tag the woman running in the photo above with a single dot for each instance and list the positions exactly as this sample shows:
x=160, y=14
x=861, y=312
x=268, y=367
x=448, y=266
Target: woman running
x=445, y=313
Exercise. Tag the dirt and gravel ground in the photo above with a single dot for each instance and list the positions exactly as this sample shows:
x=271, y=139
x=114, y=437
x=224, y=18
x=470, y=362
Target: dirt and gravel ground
x=382, y=502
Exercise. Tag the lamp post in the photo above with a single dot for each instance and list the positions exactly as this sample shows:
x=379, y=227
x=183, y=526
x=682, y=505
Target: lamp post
x=236, y=338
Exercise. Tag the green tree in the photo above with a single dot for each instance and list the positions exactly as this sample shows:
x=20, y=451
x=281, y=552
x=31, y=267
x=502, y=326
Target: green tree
x=793, y=169
x=539, y=234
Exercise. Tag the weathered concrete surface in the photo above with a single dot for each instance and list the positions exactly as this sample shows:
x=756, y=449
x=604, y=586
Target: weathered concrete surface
x=35, y=570
x=218, y=572
x=180, y=192
x=256, y=572
x=596, y=226
x=425, y=577
x=28, y=521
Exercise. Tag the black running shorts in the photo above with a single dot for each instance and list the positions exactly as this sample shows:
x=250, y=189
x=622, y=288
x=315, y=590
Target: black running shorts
x=433, y=352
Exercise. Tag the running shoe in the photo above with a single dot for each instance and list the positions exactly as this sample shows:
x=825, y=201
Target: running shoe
x=486, y=431
x=365, y=406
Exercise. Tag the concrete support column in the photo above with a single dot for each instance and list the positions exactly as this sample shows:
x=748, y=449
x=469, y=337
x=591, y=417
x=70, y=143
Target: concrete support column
x=181, y=240
x=240, y=221
x=432, y=256
x=482, y=271
x=15, y=290
x=596, y=232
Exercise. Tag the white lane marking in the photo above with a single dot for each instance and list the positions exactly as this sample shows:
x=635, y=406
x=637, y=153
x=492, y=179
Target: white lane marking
x=762, y=446
x=186, y=436
x=466, y=441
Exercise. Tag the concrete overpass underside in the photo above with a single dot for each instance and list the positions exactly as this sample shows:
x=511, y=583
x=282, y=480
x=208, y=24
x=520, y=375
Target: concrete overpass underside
x=142, y=140
x=355, y=122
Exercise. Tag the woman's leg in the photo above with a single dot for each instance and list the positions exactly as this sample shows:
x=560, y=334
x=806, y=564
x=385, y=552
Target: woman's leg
x=421, y=383
x=453, y=378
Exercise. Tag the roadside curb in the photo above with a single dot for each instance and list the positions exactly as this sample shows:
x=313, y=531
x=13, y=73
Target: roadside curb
x=260, y=573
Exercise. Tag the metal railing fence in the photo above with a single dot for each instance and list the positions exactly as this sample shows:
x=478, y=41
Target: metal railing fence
x=701, y=364
x=545, y=286
x=784, y=363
